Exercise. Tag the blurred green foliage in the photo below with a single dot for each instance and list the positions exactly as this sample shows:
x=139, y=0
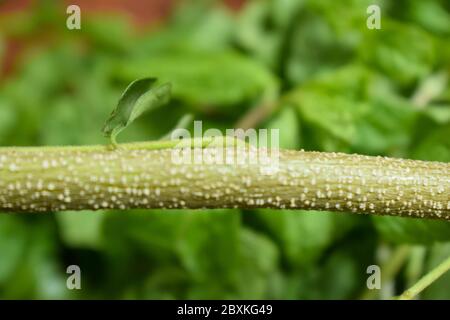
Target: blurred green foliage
x=335, y=85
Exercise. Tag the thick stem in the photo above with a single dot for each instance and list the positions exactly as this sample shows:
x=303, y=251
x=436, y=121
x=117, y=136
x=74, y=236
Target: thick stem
x=146, y=176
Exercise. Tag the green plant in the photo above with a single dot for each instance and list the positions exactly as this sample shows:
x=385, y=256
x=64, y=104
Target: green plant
x=309, y=68
x=142, y=175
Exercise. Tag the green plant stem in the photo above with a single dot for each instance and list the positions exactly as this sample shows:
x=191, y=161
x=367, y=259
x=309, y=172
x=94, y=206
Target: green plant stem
x=426, y=280
x=144, y=175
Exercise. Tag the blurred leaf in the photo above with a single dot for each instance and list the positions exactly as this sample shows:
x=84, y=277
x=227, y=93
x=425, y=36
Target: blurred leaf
x=411, y=230
x=284, y=11
x=42, y=14
x=38, y=274
x=349, y=86
x=346, y=16
x=311, y=42
x=439, y=289
x=336, y=115
x=403, y=53
x=7, y=119
x=432, y=15
x=112, y=32
x=203, y=79
x=13, y=239
x=430, y=88
x=164, y=283
x=80, y=229
x=439, y=113
x=203, y=238
x=200, y=27
x=287, y=122
x=387, y=127
x=332, y=102
x=358, y=107
x=193, y=240
x=253, y=34
x=303, y=235
x=339, y=274
x=256, y=261
x=434, y=146
x=203, y=245
x=140, y=96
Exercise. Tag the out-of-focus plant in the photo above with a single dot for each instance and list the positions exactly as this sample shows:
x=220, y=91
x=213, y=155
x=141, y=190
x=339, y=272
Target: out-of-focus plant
x=330, y=84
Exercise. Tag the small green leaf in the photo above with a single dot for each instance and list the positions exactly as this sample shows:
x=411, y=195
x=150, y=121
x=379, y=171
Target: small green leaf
x=140, y=96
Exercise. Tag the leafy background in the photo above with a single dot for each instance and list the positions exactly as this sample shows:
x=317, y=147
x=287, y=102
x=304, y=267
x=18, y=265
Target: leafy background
x=331, y=85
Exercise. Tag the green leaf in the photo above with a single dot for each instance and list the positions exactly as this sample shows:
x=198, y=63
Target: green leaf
x=140, y=96
x=412, y=230
x=431, y=15
x=215, y=233
x=206, y=80
x=196, y=246
x=38, y=275
x=438, y=289
x=302, y=235
x=333, y=103
x=336, y=115
x=203, y=243
x=438, y=113
x=253, y=35
x=255, y=260
x=404, y=53
x=339, y=274
x=13, y=238
x=312, y=40
x=199, y=25
x=386, y=127
x=357, y=107
x=435, y=146
x=80, y=229
x=287, y=122
x=113, y=33
x=163, y=283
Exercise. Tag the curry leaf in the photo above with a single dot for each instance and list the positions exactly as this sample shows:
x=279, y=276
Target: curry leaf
x=140, y=96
